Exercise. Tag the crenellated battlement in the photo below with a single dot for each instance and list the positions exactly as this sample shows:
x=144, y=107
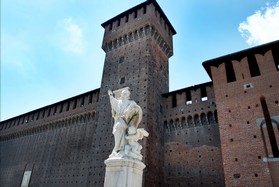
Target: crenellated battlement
x=64, y=110
x=144, y=20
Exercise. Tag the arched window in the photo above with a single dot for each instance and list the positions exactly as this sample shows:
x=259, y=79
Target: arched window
x=203, y=119
x=183, y=123
x=171, y=126
x=197, y=120
x=210, y=118
x=190, y=121
x=177, y=124
x=166, y=127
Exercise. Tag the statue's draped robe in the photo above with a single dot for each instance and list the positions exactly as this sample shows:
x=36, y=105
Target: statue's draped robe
x=125, y=113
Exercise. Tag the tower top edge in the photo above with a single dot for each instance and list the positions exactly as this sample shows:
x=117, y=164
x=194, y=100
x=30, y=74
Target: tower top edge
x=148, y=2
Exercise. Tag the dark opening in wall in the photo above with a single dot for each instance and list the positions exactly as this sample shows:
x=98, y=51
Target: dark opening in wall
x=75, y=104
x=203, y=93
x=54, y=111
x=144, y=10
x=110, y=26
x=236, y=176
x=275, y=53
x=82, y=101
x=90, y=98
x=61, y=108
x=122, y=80
x=230, y=72
x=127, y=18
x=174, y=102
x=253, y=66
x=269, y=126
x=68, y=106
x=136, y=14
x=188, y=97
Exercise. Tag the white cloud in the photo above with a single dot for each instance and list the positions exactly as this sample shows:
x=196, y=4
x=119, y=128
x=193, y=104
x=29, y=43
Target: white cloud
x=74, y=41
x=262, y=26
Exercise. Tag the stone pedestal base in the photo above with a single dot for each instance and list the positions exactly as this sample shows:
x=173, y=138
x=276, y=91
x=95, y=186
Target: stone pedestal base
x=122, y=172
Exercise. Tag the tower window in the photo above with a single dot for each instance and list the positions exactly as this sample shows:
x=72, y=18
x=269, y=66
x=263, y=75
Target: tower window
x=188, y=97
x=122, y=80
x=127, y=18
x=144, y=10
x=135, y=14
x=203, y=94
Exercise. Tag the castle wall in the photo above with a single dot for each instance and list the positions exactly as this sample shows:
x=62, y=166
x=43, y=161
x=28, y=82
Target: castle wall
x=191, y=134
x=240, y=81
x=53, y=142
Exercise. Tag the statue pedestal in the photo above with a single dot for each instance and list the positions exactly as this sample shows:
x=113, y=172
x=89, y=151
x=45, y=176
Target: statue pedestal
x=122, y=172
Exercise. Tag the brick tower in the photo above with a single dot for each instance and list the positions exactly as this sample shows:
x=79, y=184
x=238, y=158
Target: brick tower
x=138, y=44
x=249, y=134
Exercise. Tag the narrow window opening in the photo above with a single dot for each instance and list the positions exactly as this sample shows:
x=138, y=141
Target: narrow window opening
x=236, y=176
x=118, y=23
x=38, y=115
x=270, y=130
x=127, y=18
x=275, y=55
x=135, y=14
x=68, y=106
x=188, y=97
x=144, y=10
x=61, y=108
x=49, y=110
x=174, y=101
x=203, y=94
x=90, y=98
x=55, y=109
x=253, y=66
x=75, y=104
x=82, y=101
x=110, y=26
x=230, y=72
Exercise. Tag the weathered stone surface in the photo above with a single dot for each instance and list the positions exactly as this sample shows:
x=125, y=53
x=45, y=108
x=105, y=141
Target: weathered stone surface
x=123, y=172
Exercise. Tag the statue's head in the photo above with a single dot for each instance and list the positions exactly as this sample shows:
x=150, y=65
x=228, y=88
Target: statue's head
x=125, y=94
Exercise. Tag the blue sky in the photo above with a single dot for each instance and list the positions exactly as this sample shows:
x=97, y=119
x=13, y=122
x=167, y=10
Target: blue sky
x=51, y=50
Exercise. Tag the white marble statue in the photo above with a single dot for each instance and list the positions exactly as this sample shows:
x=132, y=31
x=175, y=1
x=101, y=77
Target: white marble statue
x=127, y=116
x=133, y=148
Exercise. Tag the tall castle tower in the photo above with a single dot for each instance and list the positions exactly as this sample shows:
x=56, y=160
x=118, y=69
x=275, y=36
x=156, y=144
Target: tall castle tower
x=138, y=45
